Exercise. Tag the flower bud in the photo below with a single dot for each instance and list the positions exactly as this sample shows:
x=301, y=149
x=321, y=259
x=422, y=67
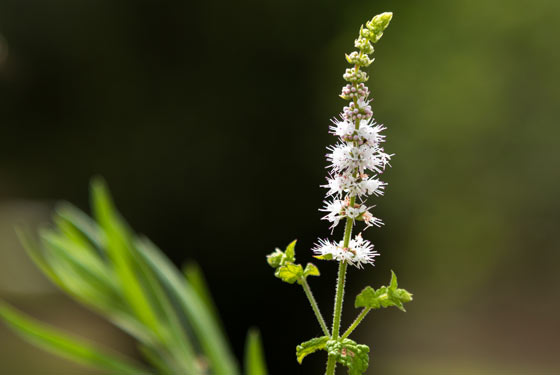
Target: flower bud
x=356, y=58
x=364, y=45
x=377, y=25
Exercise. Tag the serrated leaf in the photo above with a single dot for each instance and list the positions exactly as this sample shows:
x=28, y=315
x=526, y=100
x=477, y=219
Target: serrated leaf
x=291, y=252
x=369, y=298
x=311, y=270
x=311, y=346
x=384, y=296
x=350, y=354
x=289, y=272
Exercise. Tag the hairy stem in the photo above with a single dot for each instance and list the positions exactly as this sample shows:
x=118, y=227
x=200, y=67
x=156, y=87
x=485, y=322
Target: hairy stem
x=314, y=305
x=357, y=321
x=331, y=363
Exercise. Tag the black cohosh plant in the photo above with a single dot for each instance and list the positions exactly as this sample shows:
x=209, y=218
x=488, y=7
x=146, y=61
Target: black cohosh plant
x=356, y=162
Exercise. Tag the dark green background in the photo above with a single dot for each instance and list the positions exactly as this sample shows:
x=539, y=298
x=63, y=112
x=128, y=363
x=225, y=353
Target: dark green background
x=209, y=122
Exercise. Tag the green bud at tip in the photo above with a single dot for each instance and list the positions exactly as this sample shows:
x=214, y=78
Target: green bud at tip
x=377, y=25
x=380, y=22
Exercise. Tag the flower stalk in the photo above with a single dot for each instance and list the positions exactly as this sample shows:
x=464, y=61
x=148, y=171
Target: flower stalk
x=356, y=161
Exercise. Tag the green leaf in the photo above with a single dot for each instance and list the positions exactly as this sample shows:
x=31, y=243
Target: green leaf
x=275, y=259
x=279, y=258
x=350, y=354
x=323, y=257
x=205, y=327
x=291, y=252
x=119, y=250
x=82, y=222
x=195, y=277
x=101, y=265
x=255, y=363
x=311, y=346
x=393, y=285
x=311, y=270
x=82, y=259
x=77, y=350
x=370, y=297
x=108, y=308
x=33, y=250
x=289, y=273
x=384, y=296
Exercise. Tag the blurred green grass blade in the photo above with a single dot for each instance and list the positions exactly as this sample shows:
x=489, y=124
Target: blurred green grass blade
x=207, y=331
x=119, y=251
x=70, y=220
x=77, y=237
x=34, y=251
x=195, y=278
x=78, y=284
x=82, y=222
x=175, y=339
x=113, y=312
x=66, y=346
x=139, y=284
x=155, y=358
x=255, y=363
x=85, y=262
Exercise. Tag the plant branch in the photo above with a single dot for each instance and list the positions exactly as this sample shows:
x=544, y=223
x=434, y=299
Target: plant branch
x=357, y=321
x=315, y=306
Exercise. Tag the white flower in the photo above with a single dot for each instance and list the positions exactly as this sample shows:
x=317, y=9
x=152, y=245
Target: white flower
x=355, y=212
x=371, y=134
x=358, y=252
x=340, y=183
x=354, y=185
x=342, y=128
x=347, y=157
x=373, y=186
x=334, y=210
x=371, y=220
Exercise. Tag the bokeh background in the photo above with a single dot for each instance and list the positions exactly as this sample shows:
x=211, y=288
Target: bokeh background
x=209, y=122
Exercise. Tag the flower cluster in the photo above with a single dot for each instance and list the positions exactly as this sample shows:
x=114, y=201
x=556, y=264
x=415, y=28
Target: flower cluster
x=357, y=253
x=358, y=158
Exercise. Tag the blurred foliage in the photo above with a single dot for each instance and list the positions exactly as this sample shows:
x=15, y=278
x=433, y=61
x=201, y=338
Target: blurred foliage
x=125, y=278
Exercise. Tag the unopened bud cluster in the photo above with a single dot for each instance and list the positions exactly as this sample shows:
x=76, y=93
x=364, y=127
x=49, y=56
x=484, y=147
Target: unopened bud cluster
x=358, y=158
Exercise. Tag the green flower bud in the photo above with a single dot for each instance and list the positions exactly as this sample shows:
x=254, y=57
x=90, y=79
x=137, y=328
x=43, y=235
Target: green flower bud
x=377, y=25
x=355, y=76
x=366, y=33
x=275, y=259
x=364, y=45
x=356, y=59
x=403, y=295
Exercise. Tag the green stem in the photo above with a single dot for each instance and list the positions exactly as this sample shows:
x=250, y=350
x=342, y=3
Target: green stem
x=331, y=363
x=314, y=305
x=358, y=320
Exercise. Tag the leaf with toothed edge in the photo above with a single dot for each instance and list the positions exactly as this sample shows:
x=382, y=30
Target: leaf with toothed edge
x=384, y=296
x=310, y=346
